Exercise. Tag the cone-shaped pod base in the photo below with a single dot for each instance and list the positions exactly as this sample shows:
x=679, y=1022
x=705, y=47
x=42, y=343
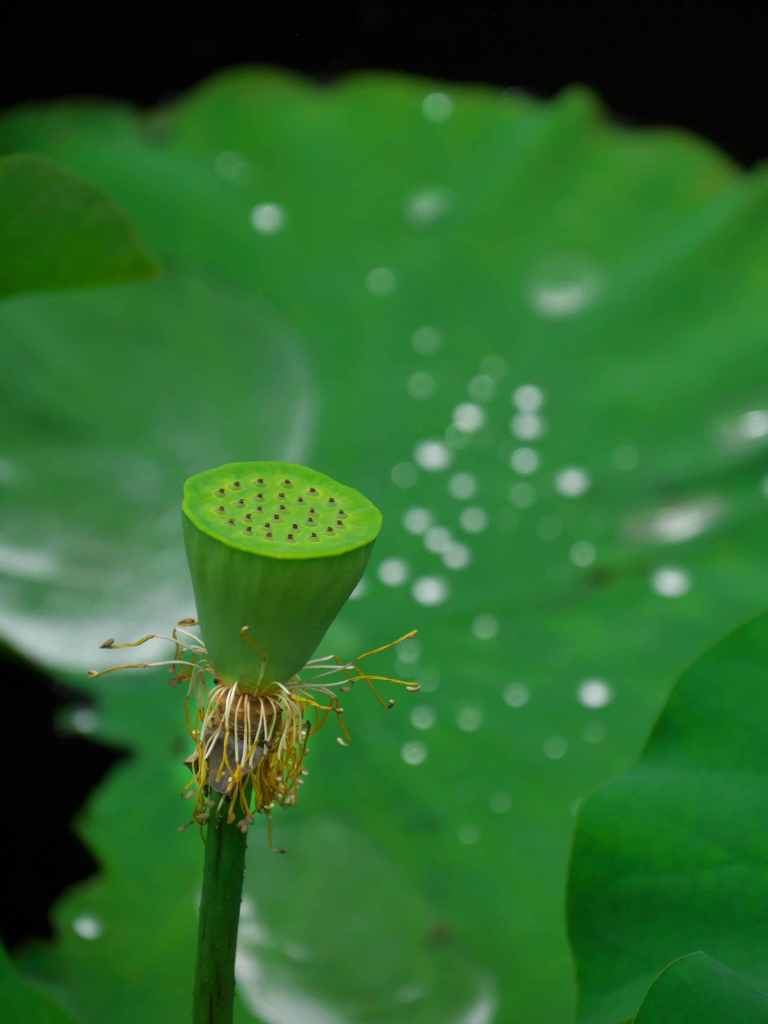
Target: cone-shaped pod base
x=277, y=548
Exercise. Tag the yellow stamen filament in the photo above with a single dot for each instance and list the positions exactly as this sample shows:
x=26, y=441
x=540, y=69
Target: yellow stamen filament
x=139, y=664
x=385, y=647
x=250, y=745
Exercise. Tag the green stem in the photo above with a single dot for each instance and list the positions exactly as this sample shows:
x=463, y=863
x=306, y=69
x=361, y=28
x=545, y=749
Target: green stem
x=219, y=915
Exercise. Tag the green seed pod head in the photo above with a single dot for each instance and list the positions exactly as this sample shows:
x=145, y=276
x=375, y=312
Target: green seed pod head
x=277, y=548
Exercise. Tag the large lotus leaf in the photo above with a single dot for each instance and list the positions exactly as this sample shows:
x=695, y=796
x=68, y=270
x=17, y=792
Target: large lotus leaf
x=56, y=231
x=673, y=855
x=353, y=272
x=698, y=988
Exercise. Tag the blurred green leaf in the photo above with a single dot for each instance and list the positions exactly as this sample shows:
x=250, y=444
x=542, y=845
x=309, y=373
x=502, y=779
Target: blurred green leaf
x=21, y=1003
x=672, y=854
x=57, y=231
x=350, y=272
x=698, y=988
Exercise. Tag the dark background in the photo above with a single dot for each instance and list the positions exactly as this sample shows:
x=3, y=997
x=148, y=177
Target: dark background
x=696, y=65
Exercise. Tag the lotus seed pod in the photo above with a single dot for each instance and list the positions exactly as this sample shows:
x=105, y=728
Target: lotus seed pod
x=276, y=548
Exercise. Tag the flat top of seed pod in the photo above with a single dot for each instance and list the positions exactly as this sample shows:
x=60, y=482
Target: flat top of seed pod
x=280, y=510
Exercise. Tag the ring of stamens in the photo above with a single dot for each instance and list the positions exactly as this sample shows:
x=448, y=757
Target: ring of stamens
x=251, y=749
x=250, y=744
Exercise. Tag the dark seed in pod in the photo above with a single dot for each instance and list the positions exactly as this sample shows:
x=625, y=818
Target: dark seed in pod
x=259, y=497
x=269, y=533
x=295, y=526
x=249, y=529
x=300, y=501
x=281, y=494
x=281, y=507
x=339, y=522
x=259, y=508
x=311, y=521
x=331, y=501
x=220, y=508
x=287, y=483
x=248, y=516
x=329, y=529
x=276, y=515
x=311, y=511
x=221, y=491
x=241, y=501
x=260, y=480
x=230, y=522
x=236, y=483
x=313, y=490
x=289, y=537
x=267, y=525
x=313, y=536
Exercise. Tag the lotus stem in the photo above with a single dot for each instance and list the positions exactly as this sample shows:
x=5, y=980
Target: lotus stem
x=223, y=870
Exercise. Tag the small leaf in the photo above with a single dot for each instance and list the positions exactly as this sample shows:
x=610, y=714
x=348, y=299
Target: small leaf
x=674, y=852
x=698, y=988
x=57, y=231
x=21, y=1003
